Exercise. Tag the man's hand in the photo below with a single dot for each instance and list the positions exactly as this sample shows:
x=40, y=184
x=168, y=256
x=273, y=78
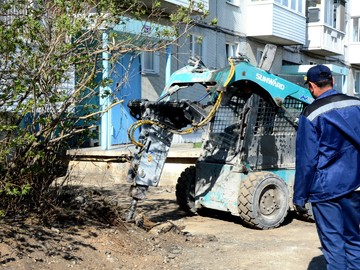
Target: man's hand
x=301, y=209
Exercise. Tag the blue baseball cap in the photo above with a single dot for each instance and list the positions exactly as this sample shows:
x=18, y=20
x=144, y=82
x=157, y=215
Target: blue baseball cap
x=318, y=73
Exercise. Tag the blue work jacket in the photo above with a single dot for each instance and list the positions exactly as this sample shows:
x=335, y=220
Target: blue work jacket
x=327, y=148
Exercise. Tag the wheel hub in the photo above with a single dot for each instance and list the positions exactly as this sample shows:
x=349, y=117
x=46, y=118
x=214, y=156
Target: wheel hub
x=268, y=202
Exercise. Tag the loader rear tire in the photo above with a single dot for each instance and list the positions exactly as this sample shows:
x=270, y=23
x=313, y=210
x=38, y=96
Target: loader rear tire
x=263, y=200
x=185, y=191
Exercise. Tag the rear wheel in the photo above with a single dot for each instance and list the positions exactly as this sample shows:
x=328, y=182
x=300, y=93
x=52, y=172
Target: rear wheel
x=263, y=200
x=185, y=191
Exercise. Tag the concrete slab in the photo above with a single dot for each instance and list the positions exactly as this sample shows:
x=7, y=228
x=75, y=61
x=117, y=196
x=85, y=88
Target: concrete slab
x=98, y=167
x=176, y=151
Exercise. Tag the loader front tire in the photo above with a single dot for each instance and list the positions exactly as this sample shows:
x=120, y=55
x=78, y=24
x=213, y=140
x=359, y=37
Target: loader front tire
x=263, y=200
x=185, y=191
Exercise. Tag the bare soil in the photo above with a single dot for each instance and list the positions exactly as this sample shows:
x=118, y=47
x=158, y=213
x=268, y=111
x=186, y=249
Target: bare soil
x=161, y=238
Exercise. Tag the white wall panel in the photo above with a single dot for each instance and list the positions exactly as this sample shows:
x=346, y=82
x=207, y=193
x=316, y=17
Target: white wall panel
x=273, y=20
x=289, y=25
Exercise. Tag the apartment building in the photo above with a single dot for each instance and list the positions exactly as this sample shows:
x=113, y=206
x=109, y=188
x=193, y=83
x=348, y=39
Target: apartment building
x=306, y=32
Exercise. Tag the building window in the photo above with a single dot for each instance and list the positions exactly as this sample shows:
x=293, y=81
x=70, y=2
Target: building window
x=329, y=13
x=356, y=30
x=150, y=62
x=313, y=14
x=300, y=6
x=259, y=54
x=357, y=83
x=334, y=14
x=195, y=48
x=295, y=5
x=232, y=50
x=339, y=15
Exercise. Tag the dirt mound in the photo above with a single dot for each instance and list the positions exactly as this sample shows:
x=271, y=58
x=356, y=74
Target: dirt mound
x=88, y=232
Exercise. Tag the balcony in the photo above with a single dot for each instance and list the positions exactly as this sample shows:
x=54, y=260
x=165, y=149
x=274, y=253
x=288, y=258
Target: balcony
x=171, y=6
x=148, y=28
x=274, y=23
x=324, y=40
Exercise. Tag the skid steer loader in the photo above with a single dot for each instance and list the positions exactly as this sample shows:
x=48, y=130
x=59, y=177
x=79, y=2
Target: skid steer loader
x=246, y=166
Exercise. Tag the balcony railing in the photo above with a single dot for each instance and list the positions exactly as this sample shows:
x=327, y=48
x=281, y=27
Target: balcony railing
x=325, y=40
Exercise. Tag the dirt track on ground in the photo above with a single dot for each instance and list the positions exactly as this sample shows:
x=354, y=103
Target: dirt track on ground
x=293, y=246
x=213, y=240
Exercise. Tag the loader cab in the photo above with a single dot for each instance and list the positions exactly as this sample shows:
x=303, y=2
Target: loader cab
x=249, y=128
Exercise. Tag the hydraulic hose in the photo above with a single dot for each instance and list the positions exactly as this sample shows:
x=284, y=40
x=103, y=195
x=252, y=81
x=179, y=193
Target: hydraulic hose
x=207, y=119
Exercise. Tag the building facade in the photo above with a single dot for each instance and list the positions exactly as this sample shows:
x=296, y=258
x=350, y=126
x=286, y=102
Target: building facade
x=306, y=32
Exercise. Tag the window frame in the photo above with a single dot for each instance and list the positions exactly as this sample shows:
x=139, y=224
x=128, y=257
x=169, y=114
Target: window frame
x=232, y=49
x=259, y=54
x=293, y=5
x=150, y=66
x=195, y=45
x=329, y=10
x=334, y=14
x=357, y=82
x=355, y=37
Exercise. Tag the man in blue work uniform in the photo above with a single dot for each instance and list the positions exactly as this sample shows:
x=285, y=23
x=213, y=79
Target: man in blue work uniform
x=328, y=168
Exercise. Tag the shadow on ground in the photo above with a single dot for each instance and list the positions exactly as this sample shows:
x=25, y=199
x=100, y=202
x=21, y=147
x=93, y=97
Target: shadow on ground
x=26, y=238
x=317, y=263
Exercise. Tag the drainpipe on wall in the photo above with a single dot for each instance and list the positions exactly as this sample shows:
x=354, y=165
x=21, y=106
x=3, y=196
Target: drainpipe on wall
x=168, y=64
x=105, y=100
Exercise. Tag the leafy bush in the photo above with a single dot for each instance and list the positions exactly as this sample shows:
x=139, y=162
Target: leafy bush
x=50, y=70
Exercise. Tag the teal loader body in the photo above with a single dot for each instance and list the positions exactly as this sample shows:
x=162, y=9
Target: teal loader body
x=247, y=163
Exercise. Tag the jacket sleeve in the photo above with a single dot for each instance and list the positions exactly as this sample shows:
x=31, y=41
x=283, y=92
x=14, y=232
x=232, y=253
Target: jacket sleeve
x=307, y=146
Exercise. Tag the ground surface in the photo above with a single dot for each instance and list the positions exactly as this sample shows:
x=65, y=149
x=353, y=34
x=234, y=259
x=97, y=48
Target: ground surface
x=166, y=239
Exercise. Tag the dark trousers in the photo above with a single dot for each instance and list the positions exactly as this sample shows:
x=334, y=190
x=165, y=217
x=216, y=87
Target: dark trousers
x=337, y=223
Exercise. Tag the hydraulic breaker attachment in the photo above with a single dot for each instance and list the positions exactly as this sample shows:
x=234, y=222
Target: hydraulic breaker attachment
x=159, y=121
x=137, y=192
x=148, y=163
x=131, y=213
